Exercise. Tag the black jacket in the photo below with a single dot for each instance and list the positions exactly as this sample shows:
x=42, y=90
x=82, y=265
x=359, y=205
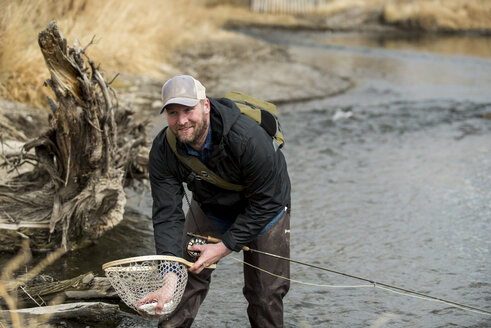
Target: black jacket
x=242, y=153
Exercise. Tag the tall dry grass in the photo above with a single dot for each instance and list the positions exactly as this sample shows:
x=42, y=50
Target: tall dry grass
x=10, y=283
x=440, y=15
x=132, y=36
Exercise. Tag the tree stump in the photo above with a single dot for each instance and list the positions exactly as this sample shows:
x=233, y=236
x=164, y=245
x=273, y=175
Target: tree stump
x=74, y=189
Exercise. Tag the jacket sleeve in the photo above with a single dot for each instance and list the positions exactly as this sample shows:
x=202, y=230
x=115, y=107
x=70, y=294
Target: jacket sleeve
x=266, y=182
x=167, y=193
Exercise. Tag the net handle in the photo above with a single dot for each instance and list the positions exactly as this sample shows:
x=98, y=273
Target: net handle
x=152, y=258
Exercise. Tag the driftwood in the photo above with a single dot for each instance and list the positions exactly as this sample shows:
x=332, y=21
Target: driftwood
x=99, y=314
x=73, y=190
x=81, y=297
x=43, y=289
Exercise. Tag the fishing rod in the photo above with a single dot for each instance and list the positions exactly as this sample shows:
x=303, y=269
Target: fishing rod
x=375, y=283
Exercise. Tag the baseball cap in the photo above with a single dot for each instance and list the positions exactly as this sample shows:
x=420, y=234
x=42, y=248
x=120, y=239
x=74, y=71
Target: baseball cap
x=183, y=90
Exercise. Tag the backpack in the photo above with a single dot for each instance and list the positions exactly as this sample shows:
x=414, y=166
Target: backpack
x=263, y=112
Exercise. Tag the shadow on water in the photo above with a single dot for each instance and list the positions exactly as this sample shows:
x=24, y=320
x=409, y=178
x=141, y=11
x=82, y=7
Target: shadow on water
x=391, y=181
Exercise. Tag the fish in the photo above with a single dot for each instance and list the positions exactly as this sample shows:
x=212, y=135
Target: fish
x=149, y=308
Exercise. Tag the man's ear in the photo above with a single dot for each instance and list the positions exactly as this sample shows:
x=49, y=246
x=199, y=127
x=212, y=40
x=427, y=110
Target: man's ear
x=207, y=105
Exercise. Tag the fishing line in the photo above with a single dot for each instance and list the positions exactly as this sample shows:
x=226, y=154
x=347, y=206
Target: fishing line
x=430, y=298
x=299, y=281
x=376, y=284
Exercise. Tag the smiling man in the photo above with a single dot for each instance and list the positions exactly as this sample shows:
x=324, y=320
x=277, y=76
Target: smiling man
x=241, y=152
x=190, y=124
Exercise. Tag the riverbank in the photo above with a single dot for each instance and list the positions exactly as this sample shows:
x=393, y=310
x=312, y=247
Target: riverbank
x=395, y=16
x=237, y=62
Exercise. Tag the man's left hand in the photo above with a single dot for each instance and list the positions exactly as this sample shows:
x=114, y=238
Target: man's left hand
x=209, y=254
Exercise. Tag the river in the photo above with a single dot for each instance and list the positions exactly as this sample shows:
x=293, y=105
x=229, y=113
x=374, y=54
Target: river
x=391, y=182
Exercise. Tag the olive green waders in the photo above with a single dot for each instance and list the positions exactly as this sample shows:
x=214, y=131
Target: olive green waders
x=263, y=291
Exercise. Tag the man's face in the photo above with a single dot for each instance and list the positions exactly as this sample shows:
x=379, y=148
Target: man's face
x=189, y=124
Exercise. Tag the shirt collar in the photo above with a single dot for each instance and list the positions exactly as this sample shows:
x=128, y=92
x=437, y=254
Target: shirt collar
x=206, y=147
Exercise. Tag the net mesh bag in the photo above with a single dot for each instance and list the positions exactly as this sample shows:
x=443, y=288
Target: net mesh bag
x=134, y=278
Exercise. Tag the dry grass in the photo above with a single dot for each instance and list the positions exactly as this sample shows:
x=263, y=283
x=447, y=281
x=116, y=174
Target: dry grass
x=10, y=284
x=437, y=15
x=428, y=15
x=132, y=37
x=335, y=6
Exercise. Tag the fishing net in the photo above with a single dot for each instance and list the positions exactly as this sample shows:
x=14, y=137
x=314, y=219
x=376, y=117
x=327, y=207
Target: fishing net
x=135, y=278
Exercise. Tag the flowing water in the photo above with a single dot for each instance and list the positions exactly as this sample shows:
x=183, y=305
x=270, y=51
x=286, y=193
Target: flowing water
x=391, y=181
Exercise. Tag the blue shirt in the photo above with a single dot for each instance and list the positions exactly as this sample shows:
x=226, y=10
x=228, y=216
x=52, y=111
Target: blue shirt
x=205, y=151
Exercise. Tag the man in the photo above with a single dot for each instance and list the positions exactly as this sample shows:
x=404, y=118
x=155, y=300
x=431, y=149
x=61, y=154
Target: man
x=239, y=151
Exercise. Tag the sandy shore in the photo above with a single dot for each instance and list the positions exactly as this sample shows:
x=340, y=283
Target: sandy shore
x=236, y=62
x=242, y=63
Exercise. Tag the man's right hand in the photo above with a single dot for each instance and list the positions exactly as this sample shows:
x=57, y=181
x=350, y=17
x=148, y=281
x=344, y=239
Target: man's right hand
x=161, y=296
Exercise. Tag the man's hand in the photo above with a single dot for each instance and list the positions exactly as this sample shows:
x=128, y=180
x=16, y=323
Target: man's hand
x=209, y=254
x=161, y=296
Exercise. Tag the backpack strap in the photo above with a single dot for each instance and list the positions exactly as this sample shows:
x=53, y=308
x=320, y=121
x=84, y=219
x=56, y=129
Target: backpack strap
x=199, y=168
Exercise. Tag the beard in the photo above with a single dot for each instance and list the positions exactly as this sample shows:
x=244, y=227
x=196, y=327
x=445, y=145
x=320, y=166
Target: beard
x=199, y=129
